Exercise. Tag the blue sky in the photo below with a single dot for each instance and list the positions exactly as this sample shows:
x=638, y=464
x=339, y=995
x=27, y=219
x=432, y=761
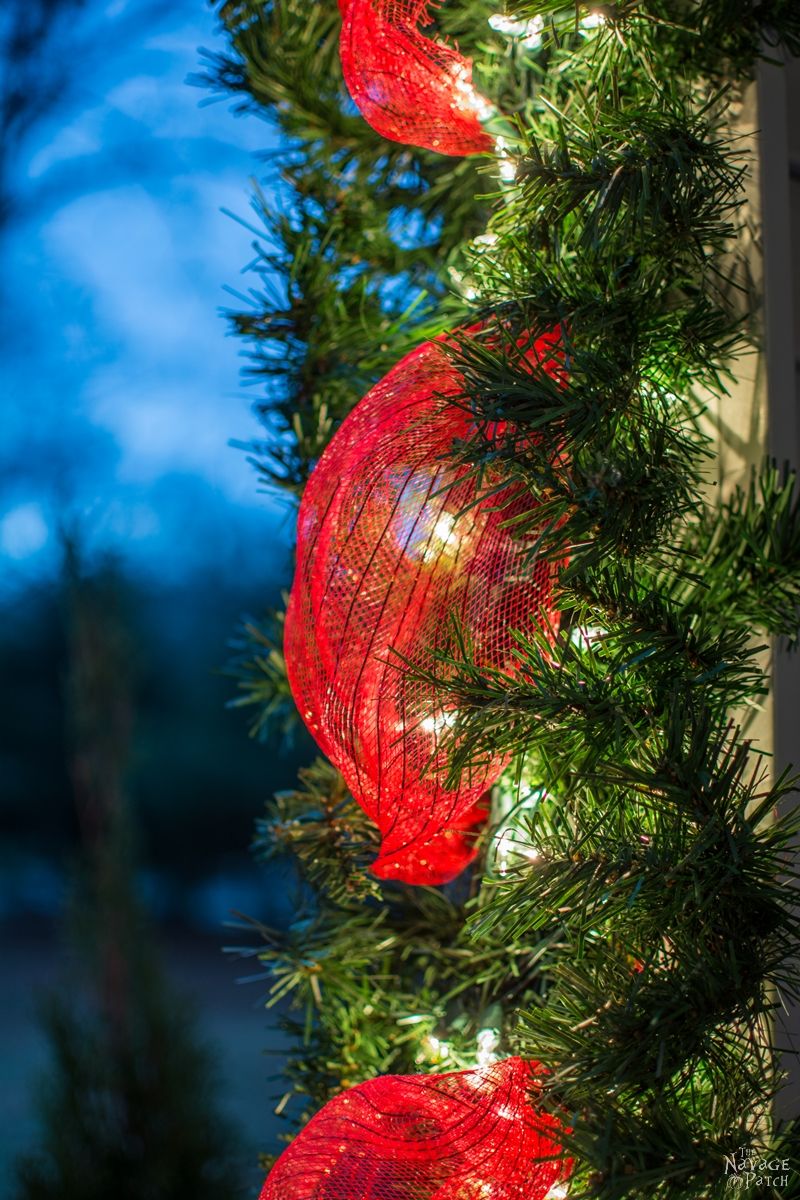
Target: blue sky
x=122, y=388
x=119, y=393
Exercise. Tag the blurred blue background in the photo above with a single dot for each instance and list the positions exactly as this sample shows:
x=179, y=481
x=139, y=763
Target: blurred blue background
x=120, y=393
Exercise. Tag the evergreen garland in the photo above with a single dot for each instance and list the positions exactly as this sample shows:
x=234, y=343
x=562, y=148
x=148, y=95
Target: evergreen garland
x=632, y=924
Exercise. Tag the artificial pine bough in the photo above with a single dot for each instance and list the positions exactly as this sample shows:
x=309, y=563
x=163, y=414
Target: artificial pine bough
x=628, y=921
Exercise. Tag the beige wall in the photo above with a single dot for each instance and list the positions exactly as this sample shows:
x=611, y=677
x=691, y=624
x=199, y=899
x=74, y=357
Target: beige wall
x=761, y=413
x=738, y=421
x=779, y=141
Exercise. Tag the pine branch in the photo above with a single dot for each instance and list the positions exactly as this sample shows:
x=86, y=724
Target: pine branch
x=750, y=549
x=260, y=671
x=327, y=834
x=631, y=917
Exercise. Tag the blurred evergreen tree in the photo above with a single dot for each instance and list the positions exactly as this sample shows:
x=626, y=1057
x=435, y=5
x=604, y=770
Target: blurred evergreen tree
x=129, y=1109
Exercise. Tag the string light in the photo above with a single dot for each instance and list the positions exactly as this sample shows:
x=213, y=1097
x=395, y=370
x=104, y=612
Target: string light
x=438, y=722
x=467, y=96
x=510, y=844
x=529, y=32
x=503, y=847
x=507, y=167
x=433, y=1049
x=442, y=537
x=488, y=1041
x=586, y=635
x=465, y=284
x=462, y=284
x=433, y=537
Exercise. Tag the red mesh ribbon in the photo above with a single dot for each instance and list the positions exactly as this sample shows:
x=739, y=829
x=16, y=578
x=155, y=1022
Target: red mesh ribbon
x=392, y=542
x=470, y=1135
x=406, y=86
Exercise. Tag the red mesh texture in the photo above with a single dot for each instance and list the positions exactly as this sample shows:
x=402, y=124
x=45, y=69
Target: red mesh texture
x=470, y=1135
x=407, y=87
x=391, y=544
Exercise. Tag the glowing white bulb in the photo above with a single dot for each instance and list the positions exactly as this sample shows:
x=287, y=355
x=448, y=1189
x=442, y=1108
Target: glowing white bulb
x=443, y=528
x=443, y=538
x=530, y=32
x=507, y=167
x=585, y=635
x=466, y=94
x=508, y=170
x=507, y=845
x=488, y=1041
x=434, y=1049
x=503, y=847
x=463, y=285
x=592, y=21
x=438, y=722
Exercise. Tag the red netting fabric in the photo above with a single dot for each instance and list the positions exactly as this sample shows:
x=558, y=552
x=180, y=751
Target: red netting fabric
x=392, y=541
x=410, y=88
x=470, y=1135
